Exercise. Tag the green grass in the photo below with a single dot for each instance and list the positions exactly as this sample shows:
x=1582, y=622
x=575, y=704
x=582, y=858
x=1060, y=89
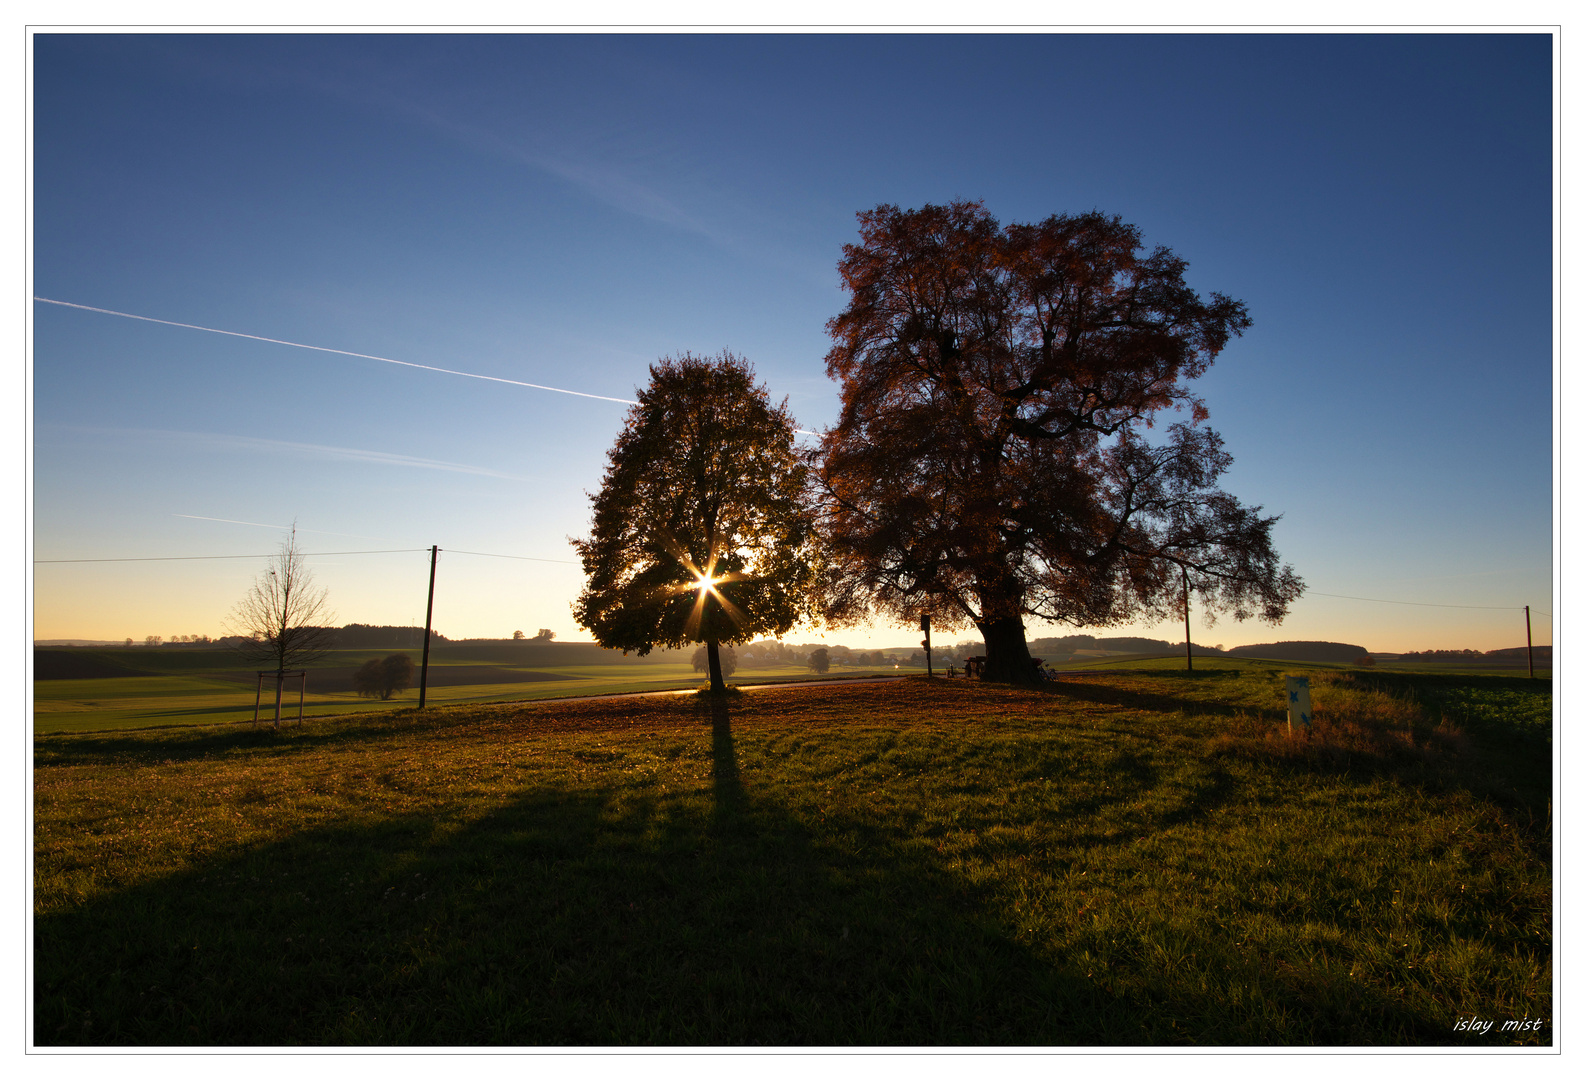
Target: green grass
x=1133, y=859
x=208, y=687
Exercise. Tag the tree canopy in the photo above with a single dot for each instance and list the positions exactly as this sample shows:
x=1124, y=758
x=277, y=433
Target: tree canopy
x=281, y=621
x=990, y=461
x=702, y=529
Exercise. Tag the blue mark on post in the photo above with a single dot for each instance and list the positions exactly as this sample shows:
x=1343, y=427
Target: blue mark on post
x=1299, y=687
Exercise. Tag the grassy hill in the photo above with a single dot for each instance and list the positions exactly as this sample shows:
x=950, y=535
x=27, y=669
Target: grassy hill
x=1137, y=858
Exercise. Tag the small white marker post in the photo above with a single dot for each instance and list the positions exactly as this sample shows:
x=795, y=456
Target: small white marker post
x=1299, y=695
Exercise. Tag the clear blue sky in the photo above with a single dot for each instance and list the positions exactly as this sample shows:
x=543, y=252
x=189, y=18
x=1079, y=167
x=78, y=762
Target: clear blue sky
x=564, y=210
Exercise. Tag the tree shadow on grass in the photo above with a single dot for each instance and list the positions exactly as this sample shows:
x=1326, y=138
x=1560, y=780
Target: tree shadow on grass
x=1145, y=701
x=608, y=915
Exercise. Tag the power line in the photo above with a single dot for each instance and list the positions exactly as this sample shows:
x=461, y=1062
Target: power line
x=270, y=555
x=339, y=352
x=571, y=562
x=1419, y=603
x=527, y=558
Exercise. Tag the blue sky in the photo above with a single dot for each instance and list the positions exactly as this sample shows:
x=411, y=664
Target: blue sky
x=565, y=209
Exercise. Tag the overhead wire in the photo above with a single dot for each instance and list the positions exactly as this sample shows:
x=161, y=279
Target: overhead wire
x=572, y=562
x=273, y=554
x=1422, y=603
x=269, y=555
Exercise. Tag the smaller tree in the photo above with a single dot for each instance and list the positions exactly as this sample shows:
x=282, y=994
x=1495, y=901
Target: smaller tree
x=702, y=529
x=383, y=678
x=820, y=661
x=544, y=636
x=517, y=635
x=282, y=619
x=729, y=660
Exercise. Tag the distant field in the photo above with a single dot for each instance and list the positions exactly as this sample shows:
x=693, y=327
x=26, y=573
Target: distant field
x=210, y=687
x=1133, y=858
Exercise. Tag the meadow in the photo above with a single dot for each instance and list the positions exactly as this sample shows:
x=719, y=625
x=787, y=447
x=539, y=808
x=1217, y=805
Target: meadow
x=1132, y=858
x=212, y=686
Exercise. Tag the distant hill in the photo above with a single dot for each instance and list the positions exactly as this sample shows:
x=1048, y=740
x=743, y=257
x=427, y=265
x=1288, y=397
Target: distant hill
x=1541, y=652
x=1320, y=652
x=70, y=664
x=1087, y=642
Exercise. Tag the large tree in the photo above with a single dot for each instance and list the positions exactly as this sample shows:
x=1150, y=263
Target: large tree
x=990, y=461
x=702, y=529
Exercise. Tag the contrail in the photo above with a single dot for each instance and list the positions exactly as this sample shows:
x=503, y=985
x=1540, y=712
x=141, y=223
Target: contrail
x=339, y=352
x=233, y=521
x=345, y=352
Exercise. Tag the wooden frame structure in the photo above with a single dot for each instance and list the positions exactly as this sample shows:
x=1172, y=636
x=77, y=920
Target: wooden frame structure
x=280, y=677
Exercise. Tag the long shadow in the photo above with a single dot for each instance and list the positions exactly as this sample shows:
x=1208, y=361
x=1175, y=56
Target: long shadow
x=727, y=785
x=611, y=915
x=1151, y=702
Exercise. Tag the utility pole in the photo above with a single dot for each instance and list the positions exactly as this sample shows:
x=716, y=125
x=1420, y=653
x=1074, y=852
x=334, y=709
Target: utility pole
x=1530, y=666
x=429, y=610
x=1189, y=661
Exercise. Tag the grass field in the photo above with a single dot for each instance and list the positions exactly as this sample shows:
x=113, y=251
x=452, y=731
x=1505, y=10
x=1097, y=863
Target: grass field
x=1139, y=858
x=211, y=687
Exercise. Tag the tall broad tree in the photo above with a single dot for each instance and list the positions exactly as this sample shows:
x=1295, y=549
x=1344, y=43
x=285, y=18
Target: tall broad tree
x=990, y=461
x=703, y=530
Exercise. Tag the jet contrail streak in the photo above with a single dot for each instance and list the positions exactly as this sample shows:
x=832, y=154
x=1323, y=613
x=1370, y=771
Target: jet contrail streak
x=339, y=352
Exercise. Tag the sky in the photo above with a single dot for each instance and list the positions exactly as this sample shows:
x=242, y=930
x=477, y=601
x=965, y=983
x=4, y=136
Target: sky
x=565, y=209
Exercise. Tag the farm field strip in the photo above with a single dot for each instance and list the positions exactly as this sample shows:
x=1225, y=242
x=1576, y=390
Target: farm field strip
x=220, y=696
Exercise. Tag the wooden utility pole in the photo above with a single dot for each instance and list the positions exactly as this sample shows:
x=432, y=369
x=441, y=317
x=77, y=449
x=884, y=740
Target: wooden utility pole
x=1530, y=666
x=1189, y=661
x=429, y=610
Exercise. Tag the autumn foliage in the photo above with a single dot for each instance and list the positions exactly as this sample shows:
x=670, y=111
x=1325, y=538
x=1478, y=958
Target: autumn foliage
x=990, y=461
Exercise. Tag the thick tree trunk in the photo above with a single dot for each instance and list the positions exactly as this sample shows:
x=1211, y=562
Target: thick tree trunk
x=717, y=684
x=1007, y=653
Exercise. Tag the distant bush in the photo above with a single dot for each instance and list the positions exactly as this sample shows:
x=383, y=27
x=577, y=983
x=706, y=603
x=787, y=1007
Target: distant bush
x=383, y=678
x=727, y=655
x=1443, y=656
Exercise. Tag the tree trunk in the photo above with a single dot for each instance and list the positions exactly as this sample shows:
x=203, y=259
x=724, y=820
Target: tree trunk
x=717, y=684
x=279, y=678
x=1008, y=657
